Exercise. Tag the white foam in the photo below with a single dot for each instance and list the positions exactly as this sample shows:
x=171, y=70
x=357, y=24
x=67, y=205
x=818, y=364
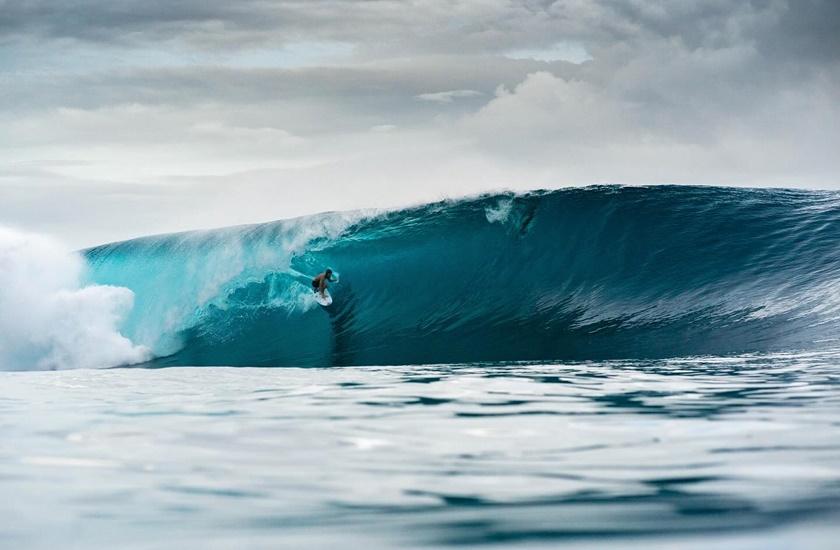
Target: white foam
x=48, y=320
x=500, y=213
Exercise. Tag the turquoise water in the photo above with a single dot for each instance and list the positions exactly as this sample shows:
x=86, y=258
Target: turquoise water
x=709, y=452
x=594, y=273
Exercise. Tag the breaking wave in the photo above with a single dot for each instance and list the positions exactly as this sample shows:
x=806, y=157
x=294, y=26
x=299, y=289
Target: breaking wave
x=584, y=273
x=49, y=319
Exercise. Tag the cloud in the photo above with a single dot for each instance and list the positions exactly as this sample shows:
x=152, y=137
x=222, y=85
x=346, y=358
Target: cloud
x=561, y=51
x=448, y=96
x=148, y=116
x=583, y=133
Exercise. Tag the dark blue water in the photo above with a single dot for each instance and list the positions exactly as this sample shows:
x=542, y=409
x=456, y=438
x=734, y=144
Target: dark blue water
x=594, y=273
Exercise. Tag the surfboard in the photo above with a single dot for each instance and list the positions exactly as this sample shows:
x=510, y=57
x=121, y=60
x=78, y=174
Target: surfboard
x=324, y=300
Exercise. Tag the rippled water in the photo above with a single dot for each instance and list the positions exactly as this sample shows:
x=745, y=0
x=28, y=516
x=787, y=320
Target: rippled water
x=737, y=452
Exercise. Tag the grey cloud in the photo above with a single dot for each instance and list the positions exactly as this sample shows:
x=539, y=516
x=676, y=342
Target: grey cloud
x=678, y=61
x=122, y=20
x=360, y=96
x=807, y=30
x=218, y=23
x=803, y=27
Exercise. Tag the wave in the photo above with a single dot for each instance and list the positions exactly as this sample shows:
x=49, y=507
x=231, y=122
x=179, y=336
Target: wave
x=583, y=273
x=48, y=318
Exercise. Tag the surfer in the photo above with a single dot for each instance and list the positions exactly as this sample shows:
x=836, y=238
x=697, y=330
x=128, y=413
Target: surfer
x=319, y=283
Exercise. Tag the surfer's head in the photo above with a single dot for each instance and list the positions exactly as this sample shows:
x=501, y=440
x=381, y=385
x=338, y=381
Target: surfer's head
x=328, y=273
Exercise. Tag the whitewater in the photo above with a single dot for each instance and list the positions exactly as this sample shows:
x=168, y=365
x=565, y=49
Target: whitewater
x=621, y=366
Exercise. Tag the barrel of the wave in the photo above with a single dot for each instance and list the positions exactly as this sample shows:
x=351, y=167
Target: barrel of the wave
x=221, y=297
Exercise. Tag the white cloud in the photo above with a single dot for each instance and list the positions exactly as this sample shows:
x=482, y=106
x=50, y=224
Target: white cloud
x=545, y=110
x=383, y=128
x=562, y=51
x=448, y=96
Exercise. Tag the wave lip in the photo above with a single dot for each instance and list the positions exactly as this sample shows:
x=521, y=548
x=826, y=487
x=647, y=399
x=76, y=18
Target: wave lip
x=582, y=273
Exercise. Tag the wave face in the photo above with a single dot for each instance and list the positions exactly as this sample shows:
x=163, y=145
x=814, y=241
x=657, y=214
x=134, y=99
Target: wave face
x=585, y=273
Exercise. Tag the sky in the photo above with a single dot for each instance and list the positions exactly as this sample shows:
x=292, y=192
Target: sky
x=121, y=118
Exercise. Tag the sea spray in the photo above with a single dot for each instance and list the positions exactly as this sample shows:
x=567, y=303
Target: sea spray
x=48, y=319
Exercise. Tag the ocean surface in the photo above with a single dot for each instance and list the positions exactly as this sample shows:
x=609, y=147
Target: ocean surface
x=600, y=367
x=737, y=452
